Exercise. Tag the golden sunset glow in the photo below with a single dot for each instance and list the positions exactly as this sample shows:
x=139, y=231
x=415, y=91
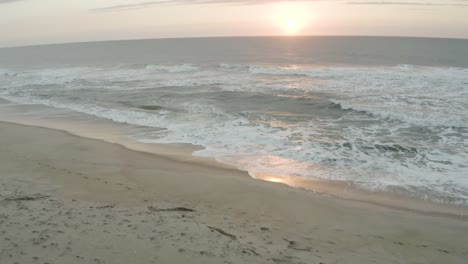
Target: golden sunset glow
x=291, y=18
x=273, y=179
x=291, y=25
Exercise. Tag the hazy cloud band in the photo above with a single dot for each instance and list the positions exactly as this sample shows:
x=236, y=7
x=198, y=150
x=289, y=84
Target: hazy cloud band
x=256, y=2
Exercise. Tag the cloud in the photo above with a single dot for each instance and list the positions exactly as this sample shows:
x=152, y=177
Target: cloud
x=8, y=1
x=181, y=2
x=407, y=3
x=256, y=2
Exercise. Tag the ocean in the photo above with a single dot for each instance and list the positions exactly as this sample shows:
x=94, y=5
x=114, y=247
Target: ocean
x=381, y=113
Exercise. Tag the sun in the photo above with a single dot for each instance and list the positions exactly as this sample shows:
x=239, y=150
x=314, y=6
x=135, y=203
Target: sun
x=291, y=18
x=291, y=25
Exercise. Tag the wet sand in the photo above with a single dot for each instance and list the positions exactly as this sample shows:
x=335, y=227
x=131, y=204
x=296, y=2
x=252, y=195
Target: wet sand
x=67, y=199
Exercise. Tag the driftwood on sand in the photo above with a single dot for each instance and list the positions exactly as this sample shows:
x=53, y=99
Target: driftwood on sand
x=25, y=198
x=175, y=209
x=222, y=232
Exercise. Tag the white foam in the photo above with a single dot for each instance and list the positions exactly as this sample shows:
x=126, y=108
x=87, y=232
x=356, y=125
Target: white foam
x=121, y=116
x=172, y=68
x=427, y=96
x=289, y=70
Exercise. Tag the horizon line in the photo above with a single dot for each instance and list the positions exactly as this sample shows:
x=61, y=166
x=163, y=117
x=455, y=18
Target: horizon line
x=239, y=36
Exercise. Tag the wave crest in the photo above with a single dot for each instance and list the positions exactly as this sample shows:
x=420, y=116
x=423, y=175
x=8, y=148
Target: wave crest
x=172, y=68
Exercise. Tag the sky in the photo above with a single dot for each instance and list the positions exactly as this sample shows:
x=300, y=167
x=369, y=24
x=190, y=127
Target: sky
x=32, y=22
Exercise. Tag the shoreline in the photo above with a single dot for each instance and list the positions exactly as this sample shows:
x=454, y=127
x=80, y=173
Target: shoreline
x=66, y=198
x=183, y=152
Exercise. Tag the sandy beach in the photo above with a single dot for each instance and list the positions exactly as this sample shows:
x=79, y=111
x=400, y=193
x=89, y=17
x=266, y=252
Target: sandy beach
x=66, y=199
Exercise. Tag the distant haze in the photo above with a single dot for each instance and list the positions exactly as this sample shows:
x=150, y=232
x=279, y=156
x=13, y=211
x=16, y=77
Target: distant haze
x=31, y=22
